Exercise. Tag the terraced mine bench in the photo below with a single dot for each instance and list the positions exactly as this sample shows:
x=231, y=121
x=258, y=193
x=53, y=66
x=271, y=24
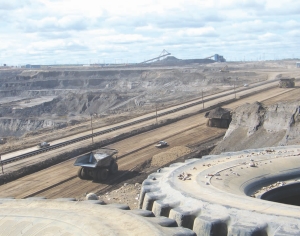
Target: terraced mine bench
x=217, y=195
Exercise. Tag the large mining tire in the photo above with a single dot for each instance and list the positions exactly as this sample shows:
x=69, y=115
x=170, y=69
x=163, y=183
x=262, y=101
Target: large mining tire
x=113, y=168
x=65, y=217
x=101, y=174
x=212, y=195
x=82, y=174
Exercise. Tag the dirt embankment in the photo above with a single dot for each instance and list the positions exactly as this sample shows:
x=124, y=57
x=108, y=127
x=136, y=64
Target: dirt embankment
x=257, y=125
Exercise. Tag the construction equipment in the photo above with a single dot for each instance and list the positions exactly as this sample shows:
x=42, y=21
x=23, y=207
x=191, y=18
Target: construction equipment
x=97, y=164
x=224, y=69
x=161, y=144
x=219, y=58
x=2, y=140
x=286, y=83
x=43, y=145
x=164, y=53
x=209, y=57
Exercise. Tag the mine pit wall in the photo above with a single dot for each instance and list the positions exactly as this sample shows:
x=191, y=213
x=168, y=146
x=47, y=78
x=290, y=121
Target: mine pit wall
x=27, y=84
x=71, y=79
x=102, y=78
x=18, y=127
x=31, y=93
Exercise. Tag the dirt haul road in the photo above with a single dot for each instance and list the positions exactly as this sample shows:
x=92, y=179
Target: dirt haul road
x=61, y=180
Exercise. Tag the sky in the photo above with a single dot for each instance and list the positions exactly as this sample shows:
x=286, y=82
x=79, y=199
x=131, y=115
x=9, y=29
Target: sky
x=129, y=31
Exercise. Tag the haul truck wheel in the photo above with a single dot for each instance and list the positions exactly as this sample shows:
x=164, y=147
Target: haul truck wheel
x=94, y=219
x=218, y=195
x=102, y=174
x=114, y=168
x=82, y=173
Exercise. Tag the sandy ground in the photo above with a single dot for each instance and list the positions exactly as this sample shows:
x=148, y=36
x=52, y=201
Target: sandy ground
x=169, y=156
x=127, y=194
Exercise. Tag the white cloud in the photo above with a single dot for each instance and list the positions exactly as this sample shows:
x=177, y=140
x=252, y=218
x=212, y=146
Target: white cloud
x=294, y=33
x=87, y=30
x=196, y=32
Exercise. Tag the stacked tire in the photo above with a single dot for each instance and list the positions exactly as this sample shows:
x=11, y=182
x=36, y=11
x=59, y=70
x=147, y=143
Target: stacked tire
x=214, y=196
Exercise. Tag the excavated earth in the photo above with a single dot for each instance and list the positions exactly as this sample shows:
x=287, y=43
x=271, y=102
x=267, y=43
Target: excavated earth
x=259, y=125
x=207, y=196
x=60, y=101
x=50, y=103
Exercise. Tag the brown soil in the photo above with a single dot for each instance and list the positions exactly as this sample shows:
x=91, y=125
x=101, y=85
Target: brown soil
x=172, y=154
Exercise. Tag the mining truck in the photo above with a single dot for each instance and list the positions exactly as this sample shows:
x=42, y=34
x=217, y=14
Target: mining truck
x=98, y=164
x=2, y=140
x=287, y=83
x=161, y=144
x=224, y=69
x=43, y=145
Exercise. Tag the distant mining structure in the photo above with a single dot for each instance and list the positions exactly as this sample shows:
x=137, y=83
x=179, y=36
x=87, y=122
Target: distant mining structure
x=165, y=59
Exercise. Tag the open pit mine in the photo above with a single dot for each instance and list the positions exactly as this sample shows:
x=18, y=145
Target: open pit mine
x=82, y=144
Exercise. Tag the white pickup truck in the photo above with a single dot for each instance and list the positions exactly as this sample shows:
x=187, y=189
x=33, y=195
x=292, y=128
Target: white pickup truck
x=43, y=145
x=161, y=144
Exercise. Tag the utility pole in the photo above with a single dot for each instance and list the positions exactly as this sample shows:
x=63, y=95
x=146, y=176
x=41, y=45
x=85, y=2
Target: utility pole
x=202, y=100
x=92, y=129
x=156, y=112
x=1, y=165
x=234, y=90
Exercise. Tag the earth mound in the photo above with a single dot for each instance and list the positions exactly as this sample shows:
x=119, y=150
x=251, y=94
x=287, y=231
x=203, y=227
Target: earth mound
x=257, y=125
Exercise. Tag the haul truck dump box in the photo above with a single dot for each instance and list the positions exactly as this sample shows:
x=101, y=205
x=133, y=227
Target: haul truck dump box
x=97, y=164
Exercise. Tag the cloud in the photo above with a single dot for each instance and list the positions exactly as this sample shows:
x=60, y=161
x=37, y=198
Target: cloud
x=54, y=24
x=198, y=32
x=44, y=31
x=12, y=4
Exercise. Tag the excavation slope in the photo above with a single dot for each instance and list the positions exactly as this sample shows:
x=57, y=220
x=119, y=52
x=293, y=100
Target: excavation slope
x=259, y=125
